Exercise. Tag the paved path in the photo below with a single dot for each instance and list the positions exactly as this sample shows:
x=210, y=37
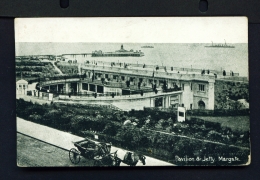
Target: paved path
x=56, y=68
x=64, y=139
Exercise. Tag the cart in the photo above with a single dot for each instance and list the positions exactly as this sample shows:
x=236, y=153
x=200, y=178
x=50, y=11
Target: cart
x=88, y=149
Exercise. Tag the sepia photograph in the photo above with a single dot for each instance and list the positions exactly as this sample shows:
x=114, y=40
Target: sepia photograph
x=132, y=91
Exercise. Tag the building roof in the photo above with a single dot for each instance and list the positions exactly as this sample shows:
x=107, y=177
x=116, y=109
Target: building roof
x=21, y=81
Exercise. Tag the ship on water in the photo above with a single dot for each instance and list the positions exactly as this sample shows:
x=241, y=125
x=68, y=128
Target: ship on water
x=220, y=45
x=147, y=47
x=119, y=53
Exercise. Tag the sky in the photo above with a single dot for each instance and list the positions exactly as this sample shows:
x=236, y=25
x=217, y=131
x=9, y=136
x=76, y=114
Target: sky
x=133, y=29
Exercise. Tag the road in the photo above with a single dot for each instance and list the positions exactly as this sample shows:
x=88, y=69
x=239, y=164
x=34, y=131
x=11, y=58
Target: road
x=56, y=68
x=34, y=153
x=64, y=140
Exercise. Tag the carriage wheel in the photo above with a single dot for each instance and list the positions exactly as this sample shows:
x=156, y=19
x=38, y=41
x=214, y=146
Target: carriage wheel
x=97, y=163
x=115, y=162
x=74, y=155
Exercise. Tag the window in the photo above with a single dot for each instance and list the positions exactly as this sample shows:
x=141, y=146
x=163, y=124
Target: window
x=161, y=82
x=190, y=106
x=114, y=76
x=106, y=75
x=181, y=114
x=191, y=86
x=84, y=86
x=182, y=86
x=201, y=87
x=158, y=102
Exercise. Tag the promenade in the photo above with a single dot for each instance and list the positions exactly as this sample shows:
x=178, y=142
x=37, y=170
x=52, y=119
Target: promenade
x=64, y=140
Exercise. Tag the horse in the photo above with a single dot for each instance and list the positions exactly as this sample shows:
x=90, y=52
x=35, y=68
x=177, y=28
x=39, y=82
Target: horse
x=129, y=158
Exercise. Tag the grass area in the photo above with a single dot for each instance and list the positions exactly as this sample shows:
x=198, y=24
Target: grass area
x=25, y=78
x=29, y=69
x=236, y=123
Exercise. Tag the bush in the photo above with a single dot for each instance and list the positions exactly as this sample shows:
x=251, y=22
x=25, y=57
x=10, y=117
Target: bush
x=110, y=129
x=36, y=118
x=80, y=119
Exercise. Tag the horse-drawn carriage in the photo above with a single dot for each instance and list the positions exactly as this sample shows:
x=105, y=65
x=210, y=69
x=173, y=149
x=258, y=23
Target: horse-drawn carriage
x=99, y=152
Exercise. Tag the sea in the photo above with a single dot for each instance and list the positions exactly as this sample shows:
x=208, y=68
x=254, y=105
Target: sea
x=188, y=55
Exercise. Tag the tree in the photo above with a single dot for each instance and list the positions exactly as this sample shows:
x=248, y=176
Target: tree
x=170, y=121
x=76, y=122
x=237, y=105
x=131, y=136
x=36, y=118
x=51, y=117
x=159, y=125
x=110, y=129
x=169, y=129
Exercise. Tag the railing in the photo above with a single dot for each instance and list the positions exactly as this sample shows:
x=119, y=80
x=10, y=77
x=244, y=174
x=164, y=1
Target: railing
x=104, y=83
x=217, y=112
x=234, y=78
x=147, y=66
x=204, y=112
x=171, y=90
x=145, y=72
x=161, y=109
x=58, y=77
x=92, y=94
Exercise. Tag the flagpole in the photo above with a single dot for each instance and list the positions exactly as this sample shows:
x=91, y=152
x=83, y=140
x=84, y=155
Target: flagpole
x=153, y=78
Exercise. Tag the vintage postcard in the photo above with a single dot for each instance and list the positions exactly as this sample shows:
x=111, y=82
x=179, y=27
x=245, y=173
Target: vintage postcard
x=135, y=91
